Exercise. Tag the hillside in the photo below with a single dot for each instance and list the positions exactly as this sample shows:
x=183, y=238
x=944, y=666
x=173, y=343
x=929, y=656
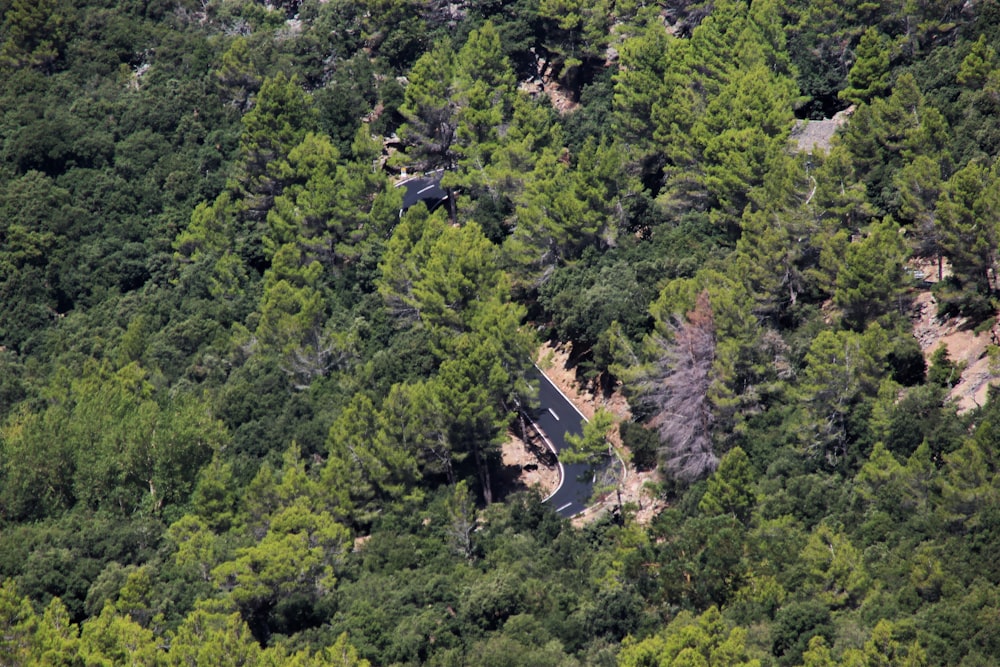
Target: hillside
x=253, y=412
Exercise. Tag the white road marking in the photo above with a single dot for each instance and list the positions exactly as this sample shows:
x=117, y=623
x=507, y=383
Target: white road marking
x=555, y=453
x=553, y=413
x=429, y=187
x=545, y=377
x=564, y=507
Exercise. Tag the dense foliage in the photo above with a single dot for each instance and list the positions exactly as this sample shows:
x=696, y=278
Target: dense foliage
x=250, y=411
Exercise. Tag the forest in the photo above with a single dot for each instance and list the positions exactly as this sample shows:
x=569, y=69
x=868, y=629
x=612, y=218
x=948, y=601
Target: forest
x=251, y=411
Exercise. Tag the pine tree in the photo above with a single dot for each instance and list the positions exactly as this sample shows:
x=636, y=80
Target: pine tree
x=210, y=635
x=430, y=111
x=282, y=116
x=414, y=418
x=676, y=391
x=484, y=90
x=842, y=370
x=462, y=514
x=871, y=275
x=565, y=210
x=968, y=212
x=34, y=34
x=869, y=75
x=640, y=86
x=769, y=260
x=731, y=488
x=690, y=640
x=836, y=573
x=237, y=76
x=114, y=638
x=918, y=186
x=576, y=32
x=592, y=446
x=364, y=464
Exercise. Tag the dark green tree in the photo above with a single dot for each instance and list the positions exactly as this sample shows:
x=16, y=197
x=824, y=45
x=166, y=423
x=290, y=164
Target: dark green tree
x=870, y=278
x=967, y=213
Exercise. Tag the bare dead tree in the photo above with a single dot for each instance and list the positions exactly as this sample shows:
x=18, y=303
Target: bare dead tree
x=676, y=388
x=316, y=358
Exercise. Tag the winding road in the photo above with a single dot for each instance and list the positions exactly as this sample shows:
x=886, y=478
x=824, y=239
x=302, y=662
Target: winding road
x=426, y=188
x=556, y=418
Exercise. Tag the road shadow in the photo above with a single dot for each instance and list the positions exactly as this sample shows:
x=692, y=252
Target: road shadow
x=510, y=479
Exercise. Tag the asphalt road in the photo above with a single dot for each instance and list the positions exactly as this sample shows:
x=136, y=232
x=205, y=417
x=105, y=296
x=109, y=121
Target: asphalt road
x=423, y=188
x=557, y=417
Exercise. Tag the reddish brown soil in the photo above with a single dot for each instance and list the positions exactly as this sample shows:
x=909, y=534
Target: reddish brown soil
x=964, y=345
x=527, y=466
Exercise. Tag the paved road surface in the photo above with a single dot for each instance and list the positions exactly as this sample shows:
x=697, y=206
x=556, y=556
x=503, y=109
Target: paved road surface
x=423, y=189
x=557, y=417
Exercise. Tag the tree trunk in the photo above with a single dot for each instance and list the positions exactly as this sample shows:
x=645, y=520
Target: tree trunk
x=484, y=474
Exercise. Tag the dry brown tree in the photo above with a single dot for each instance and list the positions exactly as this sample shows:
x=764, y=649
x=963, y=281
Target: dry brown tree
x=675, y=388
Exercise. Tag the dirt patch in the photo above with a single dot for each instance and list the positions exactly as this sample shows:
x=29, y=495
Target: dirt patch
x=527, y=465
x=587, y=397
x=545, y=82
x=964, y=345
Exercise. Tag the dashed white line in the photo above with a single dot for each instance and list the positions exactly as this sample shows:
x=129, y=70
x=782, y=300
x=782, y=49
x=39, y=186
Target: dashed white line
x=564, y=507
x=572, y=405
x=553, y=413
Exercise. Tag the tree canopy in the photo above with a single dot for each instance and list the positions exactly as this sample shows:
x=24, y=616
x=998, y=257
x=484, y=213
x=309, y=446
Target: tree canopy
x=254, y=413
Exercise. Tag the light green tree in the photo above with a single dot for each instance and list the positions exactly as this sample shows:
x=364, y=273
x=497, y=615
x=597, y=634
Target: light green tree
x=282, y=116
x=484, y=90
x=401, y=266
x=57, y=638
x=115, y=639
x=18, y=624
x=592, y=446
x=339, y=654
x=210, y=635
x=704, y=641
x=199, y=549
x=977, y=67
x=329, y=207
x=292, y=310
x=299, y=555
x=883, y=649
x=836, y=573
x=869, y=75
x=431, y=126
